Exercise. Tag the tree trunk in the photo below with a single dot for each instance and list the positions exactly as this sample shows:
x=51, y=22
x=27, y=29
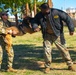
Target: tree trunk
x=16, y=17
x=50, y=3
x=35, y=11
x=27, y=9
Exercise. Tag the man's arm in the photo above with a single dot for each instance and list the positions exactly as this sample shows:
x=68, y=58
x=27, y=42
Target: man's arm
x=66, y=18
x=2, y=30
x=35, y=23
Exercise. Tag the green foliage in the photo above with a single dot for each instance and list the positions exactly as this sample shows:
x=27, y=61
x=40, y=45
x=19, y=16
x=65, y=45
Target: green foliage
x=16, y=4
x=0, y=9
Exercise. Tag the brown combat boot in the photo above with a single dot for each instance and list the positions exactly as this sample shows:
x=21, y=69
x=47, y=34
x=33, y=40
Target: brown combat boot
x=10, y=69
x=47, y=70
x=41, y=64
x=72, y=68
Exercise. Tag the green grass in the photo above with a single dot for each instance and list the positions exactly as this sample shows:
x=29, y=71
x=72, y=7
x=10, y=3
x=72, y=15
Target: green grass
x=29, y=50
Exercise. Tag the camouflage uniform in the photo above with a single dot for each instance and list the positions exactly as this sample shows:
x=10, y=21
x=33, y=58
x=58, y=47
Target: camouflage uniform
x=48, y=41
x=3, y=45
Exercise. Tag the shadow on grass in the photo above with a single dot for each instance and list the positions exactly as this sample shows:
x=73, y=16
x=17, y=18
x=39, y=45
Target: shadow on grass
x=26, y=56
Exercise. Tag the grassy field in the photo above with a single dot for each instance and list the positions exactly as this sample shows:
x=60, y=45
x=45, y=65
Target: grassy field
x=29, y=52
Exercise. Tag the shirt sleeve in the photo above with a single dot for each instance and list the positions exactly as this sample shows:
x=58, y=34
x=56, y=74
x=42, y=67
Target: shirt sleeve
x=67, y=19
x=2, y=29
x=35, y=23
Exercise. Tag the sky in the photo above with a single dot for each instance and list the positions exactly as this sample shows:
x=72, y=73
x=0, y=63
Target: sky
x=63, y=4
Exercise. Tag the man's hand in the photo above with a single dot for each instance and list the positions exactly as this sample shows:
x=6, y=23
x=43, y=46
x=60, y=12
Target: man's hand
x=37, y=29
x=71, y=33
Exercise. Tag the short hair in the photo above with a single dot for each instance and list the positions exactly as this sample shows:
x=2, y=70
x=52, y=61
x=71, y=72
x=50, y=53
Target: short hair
x=44, y=6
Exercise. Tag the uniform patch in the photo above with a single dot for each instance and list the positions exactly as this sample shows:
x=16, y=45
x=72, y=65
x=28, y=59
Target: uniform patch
x=56, y=16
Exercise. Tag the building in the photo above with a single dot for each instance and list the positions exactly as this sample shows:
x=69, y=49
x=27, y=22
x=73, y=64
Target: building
x=71, y=12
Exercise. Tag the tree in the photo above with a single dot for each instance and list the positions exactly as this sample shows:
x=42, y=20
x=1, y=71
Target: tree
x=14, y=5
x=35, y=9
x=50, y=3
x=17, y=5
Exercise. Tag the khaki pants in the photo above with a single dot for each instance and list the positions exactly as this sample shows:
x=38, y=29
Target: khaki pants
x=3, y=46
x=47, y=44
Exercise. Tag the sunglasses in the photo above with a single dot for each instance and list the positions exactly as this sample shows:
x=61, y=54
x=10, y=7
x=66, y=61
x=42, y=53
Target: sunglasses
x=5, y=14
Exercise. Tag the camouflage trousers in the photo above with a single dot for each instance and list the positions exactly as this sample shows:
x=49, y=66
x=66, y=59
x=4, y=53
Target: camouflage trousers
x=47, y=44
x=3, y=48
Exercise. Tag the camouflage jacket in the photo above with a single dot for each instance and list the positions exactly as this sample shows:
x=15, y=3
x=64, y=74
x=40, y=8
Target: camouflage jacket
x=2, y=28
x=4, y=25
